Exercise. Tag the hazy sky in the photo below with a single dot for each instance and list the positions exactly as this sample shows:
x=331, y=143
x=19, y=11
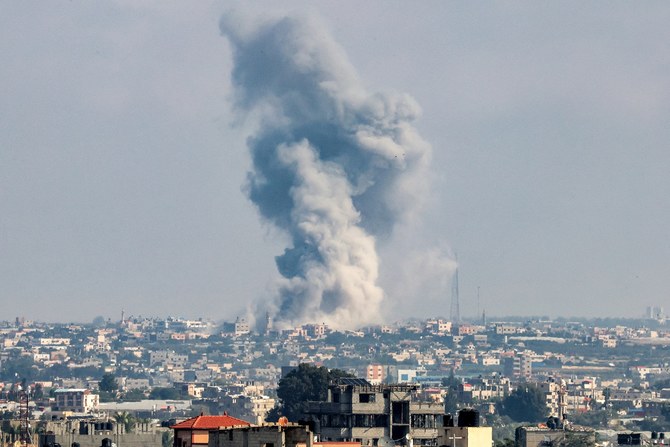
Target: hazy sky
x=122, y=164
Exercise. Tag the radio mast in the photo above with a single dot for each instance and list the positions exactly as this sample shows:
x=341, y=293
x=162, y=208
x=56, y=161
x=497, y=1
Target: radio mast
x=455, y=312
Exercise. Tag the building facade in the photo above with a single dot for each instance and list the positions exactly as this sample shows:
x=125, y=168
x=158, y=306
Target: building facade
x=270, y=435
x=357, y=411
x=75, y=400
x=195, y=431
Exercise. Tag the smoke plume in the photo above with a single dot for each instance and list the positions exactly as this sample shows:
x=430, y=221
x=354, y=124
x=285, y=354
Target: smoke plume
x=334, y=166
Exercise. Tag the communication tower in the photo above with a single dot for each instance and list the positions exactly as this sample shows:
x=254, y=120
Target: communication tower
x=24, y=415
x=455, y=312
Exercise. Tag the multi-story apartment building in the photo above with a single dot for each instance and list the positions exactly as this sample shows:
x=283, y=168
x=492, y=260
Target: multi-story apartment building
x=376, y=414
x=75, y=400
x=374, y=373
x=518, y=366
x=168, y=358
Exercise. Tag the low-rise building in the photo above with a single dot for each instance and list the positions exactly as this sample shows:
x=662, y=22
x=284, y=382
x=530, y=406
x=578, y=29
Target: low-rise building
x=534, y=436
x=195, y=431
x=273, y=435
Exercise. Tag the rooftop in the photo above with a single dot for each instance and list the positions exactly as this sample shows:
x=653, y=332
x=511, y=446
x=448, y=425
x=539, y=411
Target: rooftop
x=203, y=422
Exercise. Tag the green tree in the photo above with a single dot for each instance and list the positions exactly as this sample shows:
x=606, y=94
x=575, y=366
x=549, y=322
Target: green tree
x=595, y=419
x=451, y=399
x=108, y=383
x=303, y=384
x=133, y=396
x=38, y=393
x=165, y=394
x=18, y=367
x=576, y=440
x=527, y=403
x=126, y=420
x=660, y=384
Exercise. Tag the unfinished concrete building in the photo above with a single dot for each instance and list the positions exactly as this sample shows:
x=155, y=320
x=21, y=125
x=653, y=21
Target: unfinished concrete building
x=270, y=435
x=376, y=415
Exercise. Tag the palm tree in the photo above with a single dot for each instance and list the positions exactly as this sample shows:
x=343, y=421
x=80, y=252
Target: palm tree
x=126, y=419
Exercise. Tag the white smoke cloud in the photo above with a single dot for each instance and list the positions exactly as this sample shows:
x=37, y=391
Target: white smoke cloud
x=334, y=166
x=340, y=286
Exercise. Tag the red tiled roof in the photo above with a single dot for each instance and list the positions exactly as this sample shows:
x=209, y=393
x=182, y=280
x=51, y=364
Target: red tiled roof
x=211, y=422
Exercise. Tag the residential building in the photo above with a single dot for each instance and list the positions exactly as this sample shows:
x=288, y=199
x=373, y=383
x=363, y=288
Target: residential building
x=518, y=366
x=283, y=434
x=195, y=431
x=374, y=373
x=75, y=400
x=361, y=412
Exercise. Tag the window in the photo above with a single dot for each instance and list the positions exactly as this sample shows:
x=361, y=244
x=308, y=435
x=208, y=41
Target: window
x=370, y=420
x=400, y=412
x=425, y=421
x=366, y=398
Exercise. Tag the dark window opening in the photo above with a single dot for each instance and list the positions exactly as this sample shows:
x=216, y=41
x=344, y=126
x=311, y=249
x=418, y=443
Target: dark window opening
x=366, y=398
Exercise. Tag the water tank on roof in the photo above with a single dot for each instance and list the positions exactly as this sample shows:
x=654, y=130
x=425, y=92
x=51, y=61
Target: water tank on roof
x=468, y=417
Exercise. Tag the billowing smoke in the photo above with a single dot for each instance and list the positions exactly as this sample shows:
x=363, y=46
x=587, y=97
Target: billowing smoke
x=333, y=165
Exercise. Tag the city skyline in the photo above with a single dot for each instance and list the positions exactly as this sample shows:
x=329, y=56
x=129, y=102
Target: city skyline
x=123, y=165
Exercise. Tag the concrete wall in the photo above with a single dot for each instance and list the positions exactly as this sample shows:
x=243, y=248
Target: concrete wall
x=467, y=437
x=261, y=436
x=121, y=440
x=532, y=436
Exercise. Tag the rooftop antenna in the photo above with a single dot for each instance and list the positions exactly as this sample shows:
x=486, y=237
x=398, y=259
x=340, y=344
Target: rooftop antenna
x=455, y=312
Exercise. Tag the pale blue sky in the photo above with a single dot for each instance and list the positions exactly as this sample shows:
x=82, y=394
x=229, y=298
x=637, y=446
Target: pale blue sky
x=121, y=164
